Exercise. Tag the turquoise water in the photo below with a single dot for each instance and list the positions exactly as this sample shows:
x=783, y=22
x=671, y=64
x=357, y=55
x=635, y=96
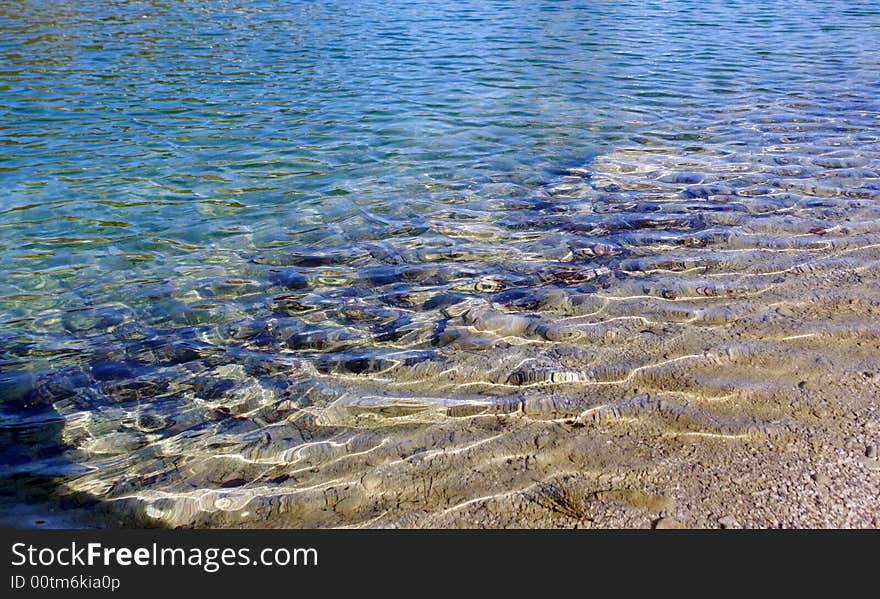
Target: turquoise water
x=216, y=215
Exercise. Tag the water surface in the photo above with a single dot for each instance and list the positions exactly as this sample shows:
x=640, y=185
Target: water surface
x=253, y=252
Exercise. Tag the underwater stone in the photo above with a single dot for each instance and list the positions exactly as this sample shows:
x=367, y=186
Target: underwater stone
x=500, y=323
x=321, y=339
x=532, y=376
x=443, y=300
x=15, y=384
x=555, y=300
x=558, y=332
x=288, y=278
x=461, y=338
x=151, y=423
x=100, y=319
x=105, y=371
x=116, y=443
x=242, y=329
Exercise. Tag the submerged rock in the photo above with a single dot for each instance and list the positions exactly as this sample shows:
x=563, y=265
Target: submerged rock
x=288, y=278
x=500, y=323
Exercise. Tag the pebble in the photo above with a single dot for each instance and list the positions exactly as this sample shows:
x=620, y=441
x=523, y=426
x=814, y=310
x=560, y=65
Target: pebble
x=557, y=332
x=668, y=523
x=151, y=423
x=542, y=440
x=288, y=278
x=870, y=463
x=555, y=300
x=372, y=481
x=116, y=443
x=502, y=324
x=729, y=522
x=459, y=338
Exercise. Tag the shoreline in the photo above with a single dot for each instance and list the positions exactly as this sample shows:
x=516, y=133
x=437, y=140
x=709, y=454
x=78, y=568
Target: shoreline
x=742, y=391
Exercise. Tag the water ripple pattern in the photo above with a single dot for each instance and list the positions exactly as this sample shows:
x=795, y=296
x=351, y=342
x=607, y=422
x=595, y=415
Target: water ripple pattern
x=329, y=263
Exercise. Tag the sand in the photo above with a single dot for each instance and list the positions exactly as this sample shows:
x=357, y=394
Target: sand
x=722, y=375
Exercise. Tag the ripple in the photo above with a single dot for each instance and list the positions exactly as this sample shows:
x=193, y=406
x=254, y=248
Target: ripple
x=394, y=266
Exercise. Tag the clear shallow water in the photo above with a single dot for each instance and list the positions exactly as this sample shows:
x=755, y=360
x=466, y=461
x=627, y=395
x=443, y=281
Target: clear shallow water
x=250, y=236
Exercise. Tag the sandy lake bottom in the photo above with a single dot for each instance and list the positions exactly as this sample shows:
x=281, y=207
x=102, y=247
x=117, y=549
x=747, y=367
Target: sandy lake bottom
x=545, y=270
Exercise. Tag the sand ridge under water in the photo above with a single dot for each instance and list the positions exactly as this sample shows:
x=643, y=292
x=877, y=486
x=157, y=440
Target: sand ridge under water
x=481, y=264
x=699, y=349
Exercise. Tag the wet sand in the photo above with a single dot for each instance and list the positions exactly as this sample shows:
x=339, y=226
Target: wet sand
x=774, y=425
x=720, y=375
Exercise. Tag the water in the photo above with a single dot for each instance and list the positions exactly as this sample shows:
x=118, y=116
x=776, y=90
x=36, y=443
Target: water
x=255, y=252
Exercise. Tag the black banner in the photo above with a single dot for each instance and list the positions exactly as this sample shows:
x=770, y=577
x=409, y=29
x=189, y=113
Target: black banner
x=230, y=563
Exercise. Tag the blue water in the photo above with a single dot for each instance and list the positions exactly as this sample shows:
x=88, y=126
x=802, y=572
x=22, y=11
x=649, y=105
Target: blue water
x=209, y=210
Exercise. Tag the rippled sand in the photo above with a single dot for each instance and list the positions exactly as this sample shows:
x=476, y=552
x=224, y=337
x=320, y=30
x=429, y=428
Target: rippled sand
x=660, y=338
x=541, y=264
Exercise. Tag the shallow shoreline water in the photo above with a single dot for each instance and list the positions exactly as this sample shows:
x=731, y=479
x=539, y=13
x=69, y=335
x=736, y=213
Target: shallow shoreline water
x=546, y=270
